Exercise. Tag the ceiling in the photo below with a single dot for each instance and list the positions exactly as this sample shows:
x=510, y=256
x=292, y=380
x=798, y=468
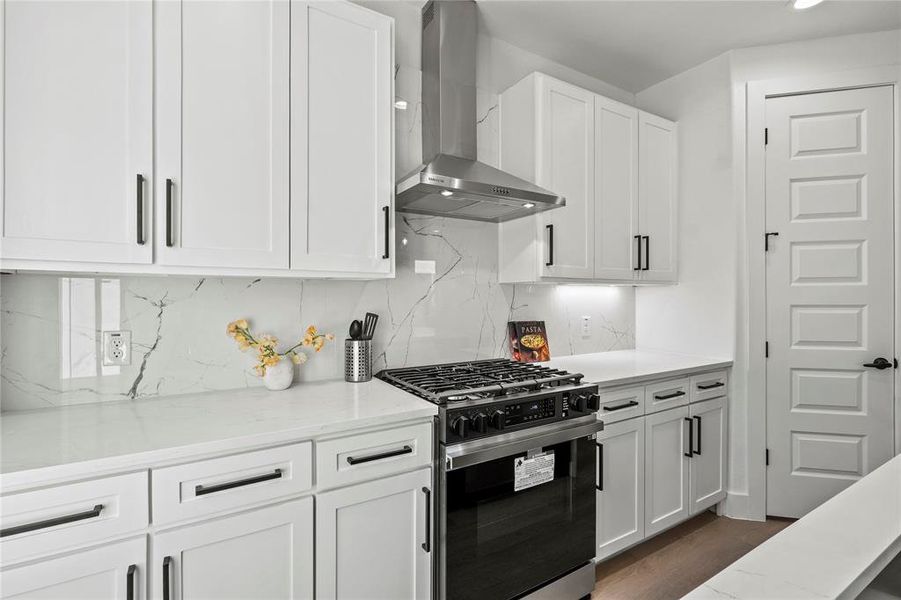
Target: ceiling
x=634, y=44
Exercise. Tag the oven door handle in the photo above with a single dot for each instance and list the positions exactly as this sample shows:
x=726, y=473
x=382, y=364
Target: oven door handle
x=466, y=454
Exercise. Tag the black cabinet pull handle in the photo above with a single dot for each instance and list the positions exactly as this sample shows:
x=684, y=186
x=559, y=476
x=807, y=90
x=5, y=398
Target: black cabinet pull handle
x=710, y=386
x=169, y=242
x=647, y=253
x=550, y=245
x=427, y=544
x=638, y=240
x=698, y=451
x=200, y=490
x=880, y=363
x=365, y=459
x=669, y=396
x=139, y=187
x=88, y=514
x=691, y=435
x=600, y=484
x=628, y=404
x=130, y=582
x=167, y=562
x=386, y=210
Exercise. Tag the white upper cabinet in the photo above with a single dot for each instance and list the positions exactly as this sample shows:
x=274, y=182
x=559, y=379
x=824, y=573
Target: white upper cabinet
x=616, y=190
x=342, y=182
x=616, y=168
x=657, y=193
x=222, y=133
x=76, y=157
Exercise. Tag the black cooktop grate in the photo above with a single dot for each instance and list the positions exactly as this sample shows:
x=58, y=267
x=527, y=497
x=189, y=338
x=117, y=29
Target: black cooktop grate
x=483, y=378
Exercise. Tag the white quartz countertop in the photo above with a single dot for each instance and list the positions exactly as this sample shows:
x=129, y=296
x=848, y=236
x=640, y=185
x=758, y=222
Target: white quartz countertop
x=56, y=444
x=621, y=367
x=832, y=552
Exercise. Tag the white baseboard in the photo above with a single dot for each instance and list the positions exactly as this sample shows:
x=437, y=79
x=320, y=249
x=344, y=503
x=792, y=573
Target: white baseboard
x=737, y=506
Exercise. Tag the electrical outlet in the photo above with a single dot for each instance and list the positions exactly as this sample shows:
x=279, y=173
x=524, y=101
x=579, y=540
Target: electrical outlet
x=586, y=326
x=116, y=348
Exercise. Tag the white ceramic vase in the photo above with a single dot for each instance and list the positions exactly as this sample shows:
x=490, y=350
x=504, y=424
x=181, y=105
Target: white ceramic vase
x=279, y=376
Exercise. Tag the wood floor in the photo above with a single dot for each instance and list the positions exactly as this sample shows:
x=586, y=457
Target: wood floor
x=679, y=560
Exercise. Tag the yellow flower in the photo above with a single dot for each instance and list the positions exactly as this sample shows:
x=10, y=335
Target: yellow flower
x=243, y=342
x=242, y=323
x=268, y=341
x=330, y=336
x=311, y=330
x=318, y=343
x=271, y=360
x=298, y=358
x=308, y=340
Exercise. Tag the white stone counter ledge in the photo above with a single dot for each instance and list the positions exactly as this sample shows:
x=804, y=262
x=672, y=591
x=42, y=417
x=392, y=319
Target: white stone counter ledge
x=56, y=444
x=835, y=551
x=622, y=367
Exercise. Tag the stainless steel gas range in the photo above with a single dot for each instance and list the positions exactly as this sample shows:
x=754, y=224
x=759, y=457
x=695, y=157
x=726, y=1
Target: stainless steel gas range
x=516, y=478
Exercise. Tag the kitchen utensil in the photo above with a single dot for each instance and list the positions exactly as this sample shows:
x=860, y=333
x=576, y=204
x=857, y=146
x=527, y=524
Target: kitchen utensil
x=357, y=360
x=356, y=330
x=369, y=324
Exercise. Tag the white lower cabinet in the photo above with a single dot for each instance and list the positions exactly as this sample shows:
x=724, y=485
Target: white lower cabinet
x=263, y=553
x=620, y=496
x=113, y=571
x=708, y=461
x=373, y=540
x=668, y=457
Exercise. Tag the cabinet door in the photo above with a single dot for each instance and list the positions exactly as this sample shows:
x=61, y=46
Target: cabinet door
x=222, y=126
x=657, y=197
x=342, y=181
x=110, y=572
x=76, y=100
x=265, y=553
x=667, y=454
x=373, y=540
x=620, y=507
x=708, y=464
x=566, y=166
x=615, y=190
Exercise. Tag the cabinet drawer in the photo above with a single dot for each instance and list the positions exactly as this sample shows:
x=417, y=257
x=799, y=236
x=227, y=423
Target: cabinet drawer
x=709, y=385
x=666, y=394
x=53, y=519
x=356, y=458
x=619, y=405
x=213, y=486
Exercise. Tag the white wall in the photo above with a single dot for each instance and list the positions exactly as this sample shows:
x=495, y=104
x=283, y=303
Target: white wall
x=707, y=313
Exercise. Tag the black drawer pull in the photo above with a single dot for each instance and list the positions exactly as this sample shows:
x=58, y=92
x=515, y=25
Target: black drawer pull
x=200, y=490
x=600, y=484
x=139, y=186
x=427, y=544
x=88, y=514
x=647, y=253
x=387, y=211
x=130, y=582
x=169, y=242
x=710, y=386
x=669, y=396
x=698, y=451
x=628, y=404
x=550, y=245
x=691, y=435
x=365, y=459
x=638, y=239
x=167, y=561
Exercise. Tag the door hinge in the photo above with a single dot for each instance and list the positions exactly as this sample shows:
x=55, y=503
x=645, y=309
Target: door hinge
x=767, y=457
x=766, y=136
x=766, y=349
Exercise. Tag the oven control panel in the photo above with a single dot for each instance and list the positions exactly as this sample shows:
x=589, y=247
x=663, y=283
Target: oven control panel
x=483, y=418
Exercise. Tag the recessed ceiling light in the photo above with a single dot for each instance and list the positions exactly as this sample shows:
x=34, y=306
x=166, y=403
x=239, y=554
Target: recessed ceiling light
x=802, y=4
x=446, y=193
x=528, y=205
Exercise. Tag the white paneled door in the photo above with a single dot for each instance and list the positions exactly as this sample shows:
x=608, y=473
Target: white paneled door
x=76, y=154
x=222, y=133
x=830, y=286
x=342, y=183
x=657, y=198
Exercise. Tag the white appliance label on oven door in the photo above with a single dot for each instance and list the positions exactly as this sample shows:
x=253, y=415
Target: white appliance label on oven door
x=532, y=471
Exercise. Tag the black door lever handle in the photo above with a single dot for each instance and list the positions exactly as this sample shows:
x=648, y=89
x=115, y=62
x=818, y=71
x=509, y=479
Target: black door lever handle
x=882, y=363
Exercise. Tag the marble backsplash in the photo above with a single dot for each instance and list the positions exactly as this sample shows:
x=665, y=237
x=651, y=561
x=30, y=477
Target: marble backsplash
x=51, y=326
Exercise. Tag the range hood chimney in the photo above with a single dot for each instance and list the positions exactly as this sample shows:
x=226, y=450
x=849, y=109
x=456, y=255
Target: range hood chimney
x=452, y=183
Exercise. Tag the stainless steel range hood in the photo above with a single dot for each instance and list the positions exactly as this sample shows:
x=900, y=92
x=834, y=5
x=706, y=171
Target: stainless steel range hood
x=453, y=183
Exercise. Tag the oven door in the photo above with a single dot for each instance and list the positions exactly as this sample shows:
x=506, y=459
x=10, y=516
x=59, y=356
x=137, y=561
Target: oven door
x=500, y=543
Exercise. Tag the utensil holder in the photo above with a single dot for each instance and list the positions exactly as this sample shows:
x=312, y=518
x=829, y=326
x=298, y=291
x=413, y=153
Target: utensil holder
x=357, y=360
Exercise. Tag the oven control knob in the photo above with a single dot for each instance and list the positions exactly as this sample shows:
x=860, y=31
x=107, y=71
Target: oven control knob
x=479, y=423
x=594, y=401
x=497, y=419
x=587, y=402
x=460, y=426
